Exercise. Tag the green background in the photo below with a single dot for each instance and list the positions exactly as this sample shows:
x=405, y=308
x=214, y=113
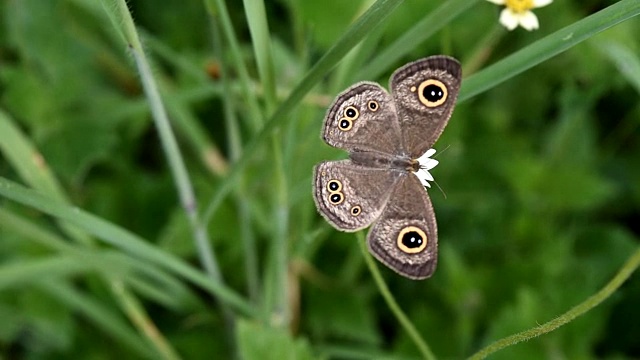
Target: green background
x=539, y=173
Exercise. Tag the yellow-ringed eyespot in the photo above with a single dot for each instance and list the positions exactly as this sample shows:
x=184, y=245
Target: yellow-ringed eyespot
x=432, y=93
x=336, y=198
x=334, y=185
x=356, y=210
x=351, y=113
x=412, y=240
x=373, y=105
x=345, y=124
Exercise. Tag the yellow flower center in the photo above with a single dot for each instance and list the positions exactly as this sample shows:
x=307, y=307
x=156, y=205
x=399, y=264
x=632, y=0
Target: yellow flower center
x=519, y=6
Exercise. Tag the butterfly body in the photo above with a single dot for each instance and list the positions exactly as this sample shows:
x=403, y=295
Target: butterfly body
x=391, y=162
x=386, y=135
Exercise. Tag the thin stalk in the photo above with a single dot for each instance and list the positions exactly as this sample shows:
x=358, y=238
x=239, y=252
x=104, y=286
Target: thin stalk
x=170, y=146
x=408, y=326
x=623, y=274
x=259, y=28
x=218, y=10
x=280, y=244
x=483, y=49
x=141, y=320
x=235, y=151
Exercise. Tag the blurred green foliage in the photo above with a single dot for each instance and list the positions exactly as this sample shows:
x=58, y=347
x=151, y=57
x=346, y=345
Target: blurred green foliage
x=540, y=200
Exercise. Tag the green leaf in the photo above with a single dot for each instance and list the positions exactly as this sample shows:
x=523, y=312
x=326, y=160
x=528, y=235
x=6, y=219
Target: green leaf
x=257, y=342
x=85, y=144
x=352, y=315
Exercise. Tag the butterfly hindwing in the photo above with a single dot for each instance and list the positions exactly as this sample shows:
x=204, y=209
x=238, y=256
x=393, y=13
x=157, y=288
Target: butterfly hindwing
x=341, y=198
x=405, y=237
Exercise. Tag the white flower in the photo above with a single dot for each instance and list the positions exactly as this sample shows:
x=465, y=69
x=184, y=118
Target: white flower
x=426, y=164
x=518, y=12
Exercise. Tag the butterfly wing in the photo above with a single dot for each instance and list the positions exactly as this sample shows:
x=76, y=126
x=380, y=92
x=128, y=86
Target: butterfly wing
x=405, y=237
x=425, y=92
x=351, y=196
x=363, y=118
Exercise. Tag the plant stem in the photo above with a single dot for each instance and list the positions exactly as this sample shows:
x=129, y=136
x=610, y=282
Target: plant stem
x=627, y=269
x=391, y=301
x=170, y=146
x=235, y=151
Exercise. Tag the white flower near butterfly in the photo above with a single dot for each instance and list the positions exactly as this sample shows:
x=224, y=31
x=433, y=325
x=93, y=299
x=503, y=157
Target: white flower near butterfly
x=426, y=164
x=518, y=12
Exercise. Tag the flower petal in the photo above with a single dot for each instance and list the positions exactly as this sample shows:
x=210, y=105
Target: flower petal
x=427, y=175
x=529, y=21
x=424, y=178
x=425, y=160
x=497, y=2
x=541, y=3
x=429, y=153
x=428, y=164
x=509, y=19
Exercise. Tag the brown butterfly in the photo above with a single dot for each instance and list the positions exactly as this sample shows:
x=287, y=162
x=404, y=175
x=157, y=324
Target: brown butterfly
x=389, y=139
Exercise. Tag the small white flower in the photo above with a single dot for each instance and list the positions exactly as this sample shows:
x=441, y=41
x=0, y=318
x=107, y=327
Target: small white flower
x=518, y=12
x=426, y=164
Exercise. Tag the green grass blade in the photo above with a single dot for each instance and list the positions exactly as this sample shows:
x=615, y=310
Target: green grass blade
x=625, y=60
x=259, y=28
x=218, y=11
x=32, y=167
x=33, y=270
x=413, y=37
x=548, y=47
x=252, y=273
x=26, y=159
x=123, y=240
x=149, y=279
x=103, y=318
x=261, y=40
x=137, y=313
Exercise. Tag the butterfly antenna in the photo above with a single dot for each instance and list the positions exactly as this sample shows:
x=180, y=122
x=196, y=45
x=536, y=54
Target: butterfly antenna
x=442, y=191
x=441, y=152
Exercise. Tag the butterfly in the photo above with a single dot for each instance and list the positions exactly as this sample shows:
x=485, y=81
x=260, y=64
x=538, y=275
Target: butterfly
x=389, y=137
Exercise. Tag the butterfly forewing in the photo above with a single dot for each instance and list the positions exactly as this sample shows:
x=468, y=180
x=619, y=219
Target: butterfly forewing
x=363, y=118
x=425, y=92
